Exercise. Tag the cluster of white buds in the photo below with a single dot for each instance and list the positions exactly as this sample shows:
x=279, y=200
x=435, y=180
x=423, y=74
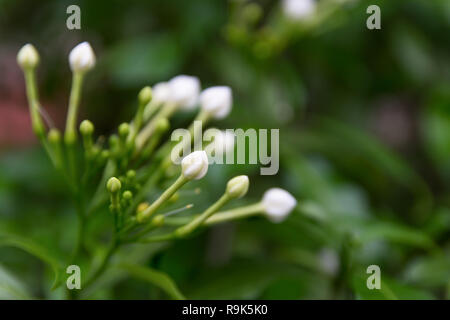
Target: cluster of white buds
x=135, y=143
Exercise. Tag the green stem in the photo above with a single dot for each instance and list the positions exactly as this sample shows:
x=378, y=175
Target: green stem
x=150, y=109
x=238, y=213
x=70, y=135
x=147, y=213
x=74, y=100
x=104, y=264
x=33, y=101
x=197, y=221
x=166, y=111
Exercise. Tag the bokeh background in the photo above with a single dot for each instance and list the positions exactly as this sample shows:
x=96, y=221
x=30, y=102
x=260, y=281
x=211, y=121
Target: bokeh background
x=364, y=119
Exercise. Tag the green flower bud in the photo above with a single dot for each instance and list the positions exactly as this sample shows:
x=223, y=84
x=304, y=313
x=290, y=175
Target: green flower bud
x=104, y=155
x=237, y=187
x=252, y=13
x=127, y=195
x=162, y=125
x=95, y=151
x=28, y=57
x=124, y=130
x=131, y=174
x=113, y=141
x=158, y=220
x=86, y=128
x=145, y=95
x=142, y=206
x=54, y=136
x=113, y=185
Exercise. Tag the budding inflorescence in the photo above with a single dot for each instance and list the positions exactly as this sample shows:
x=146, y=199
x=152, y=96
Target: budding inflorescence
x=134, y=163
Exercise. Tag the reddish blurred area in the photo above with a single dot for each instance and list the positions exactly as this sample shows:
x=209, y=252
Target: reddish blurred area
x=15, y=122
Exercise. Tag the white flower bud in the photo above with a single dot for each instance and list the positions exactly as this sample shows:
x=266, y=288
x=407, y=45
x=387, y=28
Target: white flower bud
x=224, y=142
x=299, y=9
x=278, y=203
x=82, y=57
x=195, y=165
x=184, y=91
x=28, y=57
x=217, y=101
x=161, y=92
x=237, y=187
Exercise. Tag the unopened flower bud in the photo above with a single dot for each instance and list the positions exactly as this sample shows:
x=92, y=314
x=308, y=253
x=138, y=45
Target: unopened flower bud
x=184, y=91
x=195, y=165
x=217, y=101
x=298, y=9
x=277, y=204
x=237, y=187
x=95, y=151
x=145, y=95
x=142, y=206
x=252, y=12
x=104, y=155
x=127, y=195
x=124, y=129
x=162, y=125
x=131, y=174
x=82, y=58
x=54, y=136
x=113, y=185
x=161, y=92
x=86, y=128
x=28, y=57
x=158, y=220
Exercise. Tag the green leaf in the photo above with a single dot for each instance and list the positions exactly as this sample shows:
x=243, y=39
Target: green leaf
x=157, y=278
x=389, y=290
x=11, y=288
x=36, y=250
x=397, y=234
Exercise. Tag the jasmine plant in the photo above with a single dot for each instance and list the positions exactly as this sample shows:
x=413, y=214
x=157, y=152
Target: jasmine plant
x=127, y=167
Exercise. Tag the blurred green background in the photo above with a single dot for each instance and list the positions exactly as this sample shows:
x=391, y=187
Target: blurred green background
x=364, y=119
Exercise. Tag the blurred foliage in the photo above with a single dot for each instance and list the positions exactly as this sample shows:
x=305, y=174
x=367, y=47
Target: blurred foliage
x=364, y=118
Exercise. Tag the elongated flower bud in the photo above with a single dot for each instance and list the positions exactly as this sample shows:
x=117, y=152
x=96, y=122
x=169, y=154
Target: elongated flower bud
x=124, y=130
x=28, y=57
x=195, y=165
x=277, y=204
x=145, y=95
x=113, y=185
x=54, y=136
x=86, y=128
x=82, y=58
x=217, y=101
x=184, y=91
x=298, y=9
x=237, y=187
